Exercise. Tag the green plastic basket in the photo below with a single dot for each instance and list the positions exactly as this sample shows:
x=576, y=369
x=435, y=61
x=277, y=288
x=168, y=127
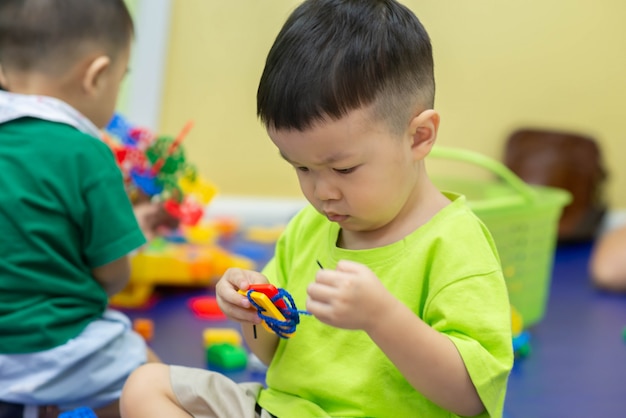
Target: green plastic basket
x=523, y=220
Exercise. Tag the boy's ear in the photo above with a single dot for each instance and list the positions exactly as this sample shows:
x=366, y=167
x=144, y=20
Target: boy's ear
x=423, y=129
x=93, y=75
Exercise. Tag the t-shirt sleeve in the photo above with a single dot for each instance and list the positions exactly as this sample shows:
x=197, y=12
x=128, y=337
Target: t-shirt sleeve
x=480, y=332
x=110, y=229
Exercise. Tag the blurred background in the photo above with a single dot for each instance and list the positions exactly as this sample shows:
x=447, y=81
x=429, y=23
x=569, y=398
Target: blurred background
x=499, y=66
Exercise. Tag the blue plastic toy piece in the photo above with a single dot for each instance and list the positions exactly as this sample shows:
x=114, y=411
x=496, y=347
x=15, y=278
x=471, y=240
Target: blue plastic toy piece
x=82, y=412
x=147, y=182
x=120, y=127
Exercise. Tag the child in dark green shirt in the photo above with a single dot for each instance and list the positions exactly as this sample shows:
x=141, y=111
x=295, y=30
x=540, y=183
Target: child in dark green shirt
x=67, y=224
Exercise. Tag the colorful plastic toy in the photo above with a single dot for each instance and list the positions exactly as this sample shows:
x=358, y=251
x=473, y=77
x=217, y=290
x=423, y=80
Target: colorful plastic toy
x=264, y=235
x=226, y=357
x=206, y=307
x=212, y=336
x=156, y=166
x=175, y=264
x=521, y=338
x=276, y=307
x=82, y=412
x=144, y=327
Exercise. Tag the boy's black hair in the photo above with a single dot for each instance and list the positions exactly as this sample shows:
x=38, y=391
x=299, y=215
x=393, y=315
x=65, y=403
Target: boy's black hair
x=47, y=35
x=335, y=56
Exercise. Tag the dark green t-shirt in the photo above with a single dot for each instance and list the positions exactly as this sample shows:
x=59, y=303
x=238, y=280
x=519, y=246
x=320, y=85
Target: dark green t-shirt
x=63, y=211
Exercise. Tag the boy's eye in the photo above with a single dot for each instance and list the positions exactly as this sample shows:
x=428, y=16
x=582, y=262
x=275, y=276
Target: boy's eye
x=303, y=169
x=345, y=170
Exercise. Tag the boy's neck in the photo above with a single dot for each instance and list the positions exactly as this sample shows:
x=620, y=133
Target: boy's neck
x=40, y=85
x=65, y=87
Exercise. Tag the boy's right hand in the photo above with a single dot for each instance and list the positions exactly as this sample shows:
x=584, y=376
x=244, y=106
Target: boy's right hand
x=151, y=216
x=235, y=305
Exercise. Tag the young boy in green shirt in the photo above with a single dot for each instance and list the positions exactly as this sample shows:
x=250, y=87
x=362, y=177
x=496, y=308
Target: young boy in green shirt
x=66, y=222
x=410, y=314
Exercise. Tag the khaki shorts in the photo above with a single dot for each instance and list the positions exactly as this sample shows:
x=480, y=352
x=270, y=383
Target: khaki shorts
x=207, y=394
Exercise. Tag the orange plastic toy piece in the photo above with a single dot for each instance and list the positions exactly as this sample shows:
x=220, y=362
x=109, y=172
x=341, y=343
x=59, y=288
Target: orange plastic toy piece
x=144, y=327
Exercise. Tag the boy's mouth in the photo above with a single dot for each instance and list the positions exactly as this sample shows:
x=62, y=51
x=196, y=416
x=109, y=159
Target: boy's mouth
x=334, y=217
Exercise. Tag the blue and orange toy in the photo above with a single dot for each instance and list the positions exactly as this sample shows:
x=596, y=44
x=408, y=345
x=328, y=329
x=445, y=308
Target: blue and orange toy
x=275, y=307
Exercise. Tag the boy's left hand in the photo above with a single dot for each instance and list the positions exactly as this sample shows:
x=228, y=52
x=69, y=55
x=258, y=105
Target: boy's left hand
x=350, y=297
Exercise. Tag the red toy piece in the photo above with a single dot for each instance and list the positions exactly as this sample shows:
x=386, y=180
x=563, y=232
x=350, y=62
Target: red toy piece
x=270, y=291
x=206, y=307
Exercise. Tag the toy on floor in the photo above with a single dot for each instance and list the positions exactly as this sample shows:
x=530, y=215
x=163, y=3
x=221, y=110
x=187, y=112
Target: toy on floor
x=521, y=337
x=275, y=307
x=175, y=264
x=206, y=307
x=225, y=357
x=212, y=336
x=224, y=350
x=82, y=412
x=144, y=327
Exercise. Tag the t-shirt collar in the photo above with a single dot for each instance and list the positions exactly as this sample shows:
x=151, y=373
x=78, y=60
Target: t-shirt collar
x=14, y=106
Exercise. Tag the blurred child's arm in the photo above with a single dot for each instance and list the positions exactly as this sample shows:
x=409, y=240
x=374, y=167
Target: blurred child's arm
x=352, y=297
x=151, y=216
x=238, y=308
x=608, y=260
x=113, y=276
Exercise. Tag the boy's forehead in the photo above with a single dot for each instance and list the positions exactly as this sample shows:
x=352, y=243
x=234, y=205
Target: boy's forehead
x=330, y=141
x=356, y=120
x=325, y=159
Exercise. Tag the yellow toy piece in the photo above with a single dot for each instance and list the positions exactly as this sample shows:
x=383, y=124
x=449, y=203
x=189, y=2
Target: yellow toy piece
x=270, y=309
x=264, y=235
x=200, y=189
x=175, y=265
x=517, y=323
x=202, y=233
x=212, y=336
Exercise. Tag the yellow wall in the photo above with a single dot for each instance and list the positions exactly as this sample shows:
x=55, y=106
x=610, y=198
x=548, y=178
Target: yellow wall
x=499, y=65
x=122, y=100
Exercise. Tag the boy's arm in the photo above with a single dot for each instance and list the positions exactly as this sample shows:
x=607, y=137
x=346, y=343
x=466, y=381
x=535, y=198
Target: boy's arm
x=608, y=263
x=113, y=276
x=352, y=297
x=262, y=343
x=428, y=359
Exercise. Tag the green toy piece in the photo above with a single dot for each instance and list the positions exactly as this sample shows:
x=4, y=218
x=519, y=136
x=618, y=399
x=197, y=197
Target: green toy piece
x=226, y=357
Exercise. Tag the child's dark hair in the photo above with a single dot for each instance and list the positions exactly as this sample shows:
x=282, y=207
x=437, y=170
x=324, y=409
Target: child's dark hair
x=47, y=35
x=335, y=56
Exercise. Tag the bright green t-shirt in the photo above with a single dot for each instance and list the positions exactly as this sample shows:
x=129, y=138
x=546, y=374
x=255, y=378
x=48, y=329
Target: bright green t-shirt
x=447, y=272
x=63, y=211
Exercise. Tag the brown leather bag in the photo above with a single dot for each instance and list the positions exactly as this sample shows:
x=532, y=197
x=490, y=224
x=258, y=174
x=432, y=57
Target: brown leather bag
x=569, y=161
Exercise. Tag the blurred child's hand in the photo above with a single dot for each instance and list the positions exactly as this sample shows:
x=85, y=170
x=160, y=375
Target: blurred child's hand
x=151, y=217
x=235, y=305
x=350, y=297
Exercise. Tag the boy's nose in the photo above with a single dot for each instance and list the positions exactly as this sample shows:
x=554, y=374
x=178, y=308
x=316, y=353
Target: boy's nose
x=325, y=190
